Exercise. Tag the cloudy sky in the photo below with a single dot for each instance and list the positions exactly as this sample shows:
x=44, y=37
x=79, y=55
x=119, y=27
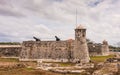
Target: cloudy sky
x=22, y=19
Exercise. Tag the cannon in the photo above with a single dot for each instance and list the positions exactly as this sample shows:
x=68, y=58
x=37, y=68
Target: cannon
x=36, y=39
x=57, y=39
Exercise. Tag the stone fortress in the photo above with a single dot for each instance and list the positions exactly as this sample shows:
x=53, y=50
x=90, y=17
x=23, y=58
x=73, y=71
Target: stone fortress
x=69, y=50
x=77, y=50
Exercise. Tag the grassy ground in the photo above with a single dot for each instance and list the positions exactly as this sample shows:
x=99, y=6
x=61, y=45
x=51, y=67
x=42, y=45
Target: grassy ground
x=100, y=58
x=26, y=71
x=63, y=64
x=67, y=64
x=31, y=71
x=9, y=60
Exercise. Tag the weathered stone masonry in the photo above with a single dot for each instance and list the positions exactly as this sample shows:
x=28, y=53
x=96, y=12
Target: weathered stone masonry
x=98, y=49
x=80, y=48
x=45, y=50
x=10, y=50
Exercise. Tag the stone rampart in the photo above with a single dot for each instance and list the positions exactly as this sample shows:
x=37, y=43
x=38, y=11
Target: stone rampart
x=45, y=50
x=10, y=50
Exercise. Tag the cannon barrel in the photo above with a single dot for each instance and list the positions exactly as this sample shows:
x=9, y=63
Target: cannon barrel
x=36, y=39
x=57, y=39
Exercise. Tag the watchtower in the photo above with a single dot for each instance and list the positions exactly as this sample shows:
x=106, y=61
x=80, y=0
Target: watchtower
x=105, y=48
x=81, y=49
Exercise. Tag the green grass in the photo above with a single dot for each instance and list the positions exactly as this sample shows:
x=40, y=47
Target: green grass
x=66, y=64
x=31, y=71
x=9, y=60
x=63, y=64
x=24, y=71
x=100, y=58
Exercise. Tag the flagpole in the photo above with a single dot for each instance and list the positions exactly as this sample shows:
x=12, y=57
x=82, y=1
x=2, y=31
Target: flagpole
x=76, y=17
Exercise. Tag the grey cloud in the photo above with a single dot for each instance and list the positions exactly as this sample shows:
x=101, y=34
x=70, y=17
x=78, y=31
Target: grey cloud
x=7, y=8
x=3, y=35
x=5, y=12
x=3, y=2
x=94, y=3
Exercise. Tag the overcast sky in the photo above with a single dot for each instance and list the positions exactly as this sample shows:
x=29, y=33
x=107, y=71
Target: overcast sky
x=22, y=19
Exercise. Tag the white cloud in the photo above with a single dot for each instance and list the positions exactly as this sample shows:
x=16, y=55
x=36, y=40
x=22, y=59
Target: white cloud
x=46, y=18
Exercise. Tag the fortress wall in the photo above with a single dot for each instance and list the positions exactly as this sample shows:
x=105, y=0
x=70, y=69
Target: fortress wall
x=98, y=49
x=55, y=50
x=10, y=50
x=94, y=50
x=48, y=49
x=45, y=50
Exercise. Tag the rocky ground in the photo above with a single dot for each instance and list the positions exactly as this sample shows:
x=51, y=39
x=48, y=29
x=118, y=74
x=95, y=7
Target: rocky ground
x=14, y=67
x=102, y=68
